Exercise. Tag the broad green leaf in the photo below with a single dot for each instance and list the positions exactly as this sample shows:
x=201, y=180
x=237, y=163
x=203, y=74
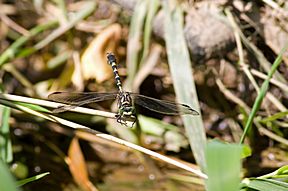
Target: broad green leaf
x=7, y=182
x=223, y=166
x=246, y=151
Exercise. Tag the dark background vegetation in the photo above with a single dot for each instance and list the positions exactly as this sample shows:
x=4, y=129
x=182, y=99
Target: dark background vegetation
x=227, y=78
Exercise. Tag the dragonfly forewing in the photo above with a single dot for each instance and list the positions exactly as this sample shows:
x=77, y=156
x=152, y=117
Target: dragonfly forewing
x=78, y=99
x=163, y=106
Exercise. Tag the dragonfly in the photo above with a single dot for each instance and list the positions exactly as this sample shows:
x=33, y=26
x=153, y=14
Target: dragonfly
x=125, y=100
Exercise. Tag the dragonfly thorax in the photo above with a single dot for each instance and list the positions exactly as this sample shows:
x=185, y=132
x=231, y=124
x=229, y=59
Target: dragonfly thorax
x=125, y=106
x=127, y=110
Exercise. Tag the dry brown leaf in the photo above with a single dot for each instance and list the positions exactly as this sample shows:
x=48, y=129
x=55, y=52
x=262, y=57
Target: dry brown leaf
x=77, y=166
x=93, y=60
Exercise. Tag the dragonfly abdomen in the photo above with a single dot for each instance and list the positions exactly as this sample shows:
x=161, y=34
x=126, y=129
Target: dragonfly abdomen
x=112, y=61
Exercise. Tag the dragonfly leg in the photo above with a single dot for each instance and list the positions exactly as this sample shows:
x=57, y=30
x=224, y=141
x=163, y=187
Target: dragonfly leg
x=134, y=121
x=122, y=119
x=119, y=119
x=60, y=109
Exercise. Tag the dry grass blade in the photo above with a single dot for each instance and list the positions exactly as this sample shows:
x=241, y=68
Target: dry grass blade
x=260, y=57
x=266, y=65
x=180, y=67
x=51, y=104
x=151, y=153
x=104, y=136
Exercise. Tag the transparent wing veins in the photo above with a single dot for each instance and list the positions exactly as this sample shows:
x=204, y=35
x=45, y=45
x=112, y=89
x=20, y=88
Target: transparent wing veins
x=78, y=99
x=163, y=106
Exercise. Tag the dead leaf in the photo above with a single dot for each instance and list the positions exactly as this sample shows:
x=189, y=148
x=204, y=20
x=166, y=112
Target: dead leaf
x=77, y=166
x=77, y=76
x=93, y=60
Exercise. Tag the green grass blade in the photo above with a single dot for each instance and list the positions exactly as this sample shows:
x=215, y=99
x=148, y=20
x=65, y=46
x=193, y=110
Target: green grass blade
x=265, y=184
x=262, y=93
x=5, y=141
x=84, y=12
x=274, y=117
x=31, y=179
x=223, y=166
x=11, y=52
x=6, y=152
x=282, y=172
x=182, y=75
x=133, y=47
x=153, y=6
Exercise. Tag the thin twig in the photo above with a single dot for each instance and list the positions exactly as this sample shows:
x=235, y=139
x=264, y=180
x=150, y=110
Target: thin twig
x=231, y=96
x=21, y=78
x=85, y=11
x=245, y=67
x=271, y=135
x=14, y=25
x=273, y=81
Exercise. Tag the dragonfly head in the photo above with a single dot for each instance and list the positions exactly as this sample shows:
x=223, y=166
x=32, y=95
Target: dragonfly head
x=124, y=100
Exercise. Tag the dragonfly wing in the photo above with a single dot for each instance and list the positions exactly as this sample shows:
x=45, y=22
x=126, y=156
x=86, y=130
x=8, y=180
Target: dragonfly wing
x=77, y=99
x=162, y=106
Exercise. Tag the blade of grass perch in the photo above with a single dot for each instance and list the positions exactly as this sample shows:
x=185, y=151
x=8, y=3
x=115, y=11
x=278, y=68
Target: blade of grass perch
x=148, y=152
x=262, y=93
x=181, y=71
x=82, y=128
x=51, y=104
